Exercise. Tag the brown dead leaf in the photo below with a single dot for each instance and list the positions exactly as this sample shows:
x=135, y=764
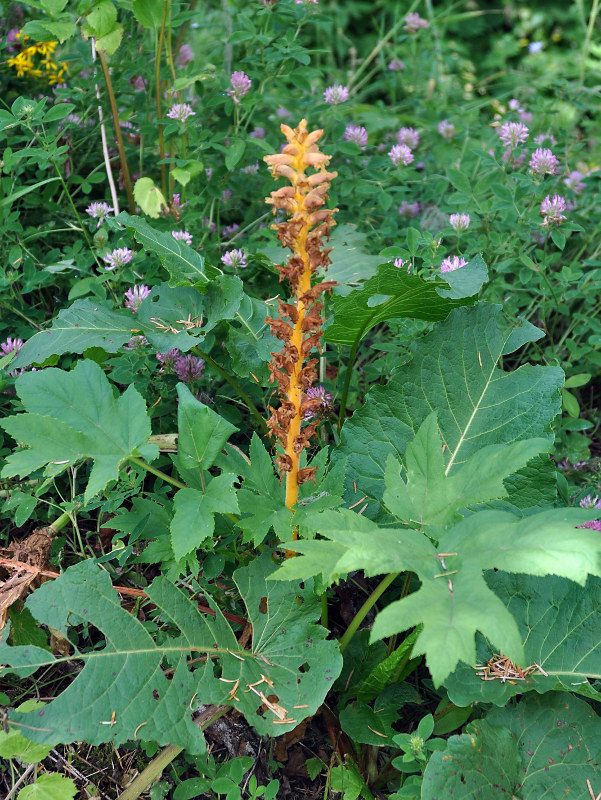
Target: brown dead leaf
x=283, y=743
x=23, y=563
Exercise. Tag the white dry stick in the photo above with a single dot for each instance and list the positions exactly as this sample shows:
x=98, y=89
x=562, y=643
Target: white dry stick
x=105, y=149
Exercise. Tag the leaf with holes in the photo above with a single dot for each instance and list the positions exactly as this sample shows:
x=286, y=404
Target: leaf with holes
x=71, y=416
x=541, y=747
x=122, y=689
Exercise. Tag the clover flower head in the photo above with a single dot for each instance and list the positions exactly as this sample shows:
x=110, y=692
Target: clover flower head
x=318, y=393
x=135, y=295
x=235, y=259
x=336, y=94
x=446, y=129
x=99, y=210
x=306, y=2
x=451, y=263
x=513, y=133
x=240, y=85
x=189, y=368
x=513, y=157
x=408, y=210
x=230, y=230
x=552, y=208
x=408, y=136
x=251, y=169
x=182, y=236
x=593, y=525
x=543, y=162
x=590, y=501
x=574, y=182
x=414, y=23
x=118, y=258
x=356, y=134
x=396, y=65
x=514, y=105
x=185, y=56
x=208, y=223
x=282, y=112
x=168, y=360
x=257, y=133
x=545, y=137
x=136, y=343
x=181, y=112
x=399, y=263
x=525, y=116
x=535, y=47
x=11, y=345
x=459, y=222
x=400, y=154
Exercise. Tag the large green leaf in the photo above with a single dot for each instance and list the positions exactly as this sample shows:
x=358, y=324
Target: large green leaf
x=392, y=294
x=50, y=786
x=124, y=681
x=72, y=416
x=453, y=601
x=543, y=747
x=351, y=261
x=455, y=371
x=559, y=623
x=185, y=266
x=84, y=324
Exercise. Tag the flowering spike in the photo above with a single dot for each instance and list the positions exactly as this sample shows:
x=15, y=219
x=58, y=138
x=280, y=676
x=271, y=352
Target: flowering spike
x=299, y=322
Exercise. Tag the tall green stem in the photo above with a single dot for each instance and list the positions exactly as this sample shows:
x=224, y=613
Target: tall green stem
x=587, y=39
x=347, y=381
x=157, y=78
x=365, y=609
x=118, y=136
x=260, y=422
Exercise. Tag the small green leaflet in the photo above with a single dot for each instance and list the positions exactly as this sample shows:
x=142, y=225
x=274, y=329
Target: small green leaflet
x=184, y=264
x=194, y=518
x=202, y=433
x=71, y=416
x=542, y=747
x=125, y=676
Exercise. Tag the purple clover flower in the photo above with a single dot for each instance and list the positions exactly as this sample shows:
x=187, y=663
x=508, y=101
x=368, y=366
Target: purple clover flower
x=594, y=525
x=400, y=154
x=135, y=295
x=446, y=129
x=399, y=263
x=235, y=259
x=136, y=343
x=11, y=345
x=356, y=134
x=590, y=501
x=182, y=236
x=543, y=162
x=545, y=137
x=336, y=94
x=185, y=56
x=408, y=136
x=414, y=23
x=229, y=230
x=318, y=393
x=181, y=112
x=459, y=222
x=257, y=133
x=208, y=223
x=240, y=85
x=118, y=258
x=574, y=182
x=451, y=263
x=168, y=360
x=408, y=210
x=189, y=368
x=513, y=133
x=552, y=208
x=396, y=65
x=99, y=210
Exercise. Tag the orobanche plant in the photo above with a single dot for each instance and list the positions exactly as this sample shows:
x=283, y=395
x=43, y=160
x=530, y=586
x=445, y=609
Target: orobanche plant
x=441, y=483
